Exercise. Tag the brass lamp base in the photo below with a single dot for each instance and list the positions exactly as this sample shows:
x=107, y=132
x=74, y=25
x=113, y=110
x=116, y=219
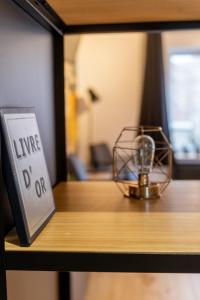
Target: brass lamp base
x=151, y=191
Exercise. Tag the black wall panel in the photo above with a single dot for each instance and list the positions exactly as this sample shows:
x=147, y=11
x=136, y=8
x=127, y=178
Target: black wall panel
x=26, y=72
x=27, y=80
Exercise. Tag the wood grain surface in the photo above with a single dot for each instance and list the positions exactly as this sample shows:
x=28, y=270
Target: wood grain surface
x=96, y=218
x=76, y=12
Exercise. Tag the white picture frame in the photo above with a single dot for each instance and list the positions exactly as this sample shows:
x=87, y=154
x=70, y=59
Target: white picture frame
x=25, y=173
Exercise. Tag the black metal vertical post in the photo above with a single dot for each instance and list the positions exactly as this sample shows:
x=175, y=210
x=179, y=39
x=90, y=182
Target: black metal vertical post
x=3, y=291
x=64, y=285
x=63, y=277
x=59, y=107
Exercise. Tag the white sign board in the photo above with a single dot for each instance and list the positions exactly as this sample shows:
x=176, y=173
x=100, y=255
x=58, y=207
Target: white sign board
x=29, y=189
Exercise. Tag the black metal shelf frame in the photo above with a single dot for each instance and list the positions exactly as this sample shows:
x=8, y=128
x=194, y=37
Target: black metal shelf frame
x=41, y=12
x=103, y=262
x=132, y=27
x=46, y=16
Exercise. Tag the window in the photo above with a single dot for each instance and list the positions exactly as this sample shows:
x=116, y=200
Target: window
x=184, y=103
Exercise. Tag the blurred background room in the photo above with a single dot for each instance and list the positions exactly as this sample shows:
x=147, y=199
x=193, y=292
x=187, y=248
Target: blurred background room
x=130, y=79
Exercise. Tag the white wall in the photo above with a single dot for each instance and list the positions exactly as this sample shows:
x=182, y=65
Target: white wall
x=113, y=65
x=70, y=47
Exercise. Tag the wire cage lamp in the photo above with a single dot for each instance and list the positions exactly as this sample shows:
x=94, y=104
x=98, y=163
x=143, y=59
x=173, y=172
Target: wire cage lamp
x=142, y=162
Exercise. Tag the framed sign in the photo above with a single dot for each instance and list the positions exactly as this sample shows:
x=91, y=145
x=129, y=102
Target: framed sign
x=25, y=173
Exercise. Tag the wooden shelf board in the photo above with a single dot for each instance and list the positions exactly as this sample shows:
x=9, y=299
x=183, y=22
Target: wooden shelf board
x=80, y=12
x=96, y=218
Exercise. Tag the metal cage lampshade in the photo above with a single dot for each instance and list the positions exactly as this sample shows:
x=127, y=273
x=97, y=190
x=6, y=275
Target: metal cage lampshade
x=142, y=162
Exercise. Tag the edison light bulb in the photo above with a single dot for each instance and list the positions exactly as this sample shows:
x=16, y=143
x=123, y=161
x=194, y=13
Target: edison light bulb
x=144, y=157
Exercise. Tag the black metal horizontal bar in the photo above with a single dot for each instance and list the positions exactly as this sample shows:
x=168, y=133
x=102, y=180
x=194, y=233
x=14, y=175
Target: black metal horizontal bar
x=132, y=27
x=106, y=262
x=43, y=14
